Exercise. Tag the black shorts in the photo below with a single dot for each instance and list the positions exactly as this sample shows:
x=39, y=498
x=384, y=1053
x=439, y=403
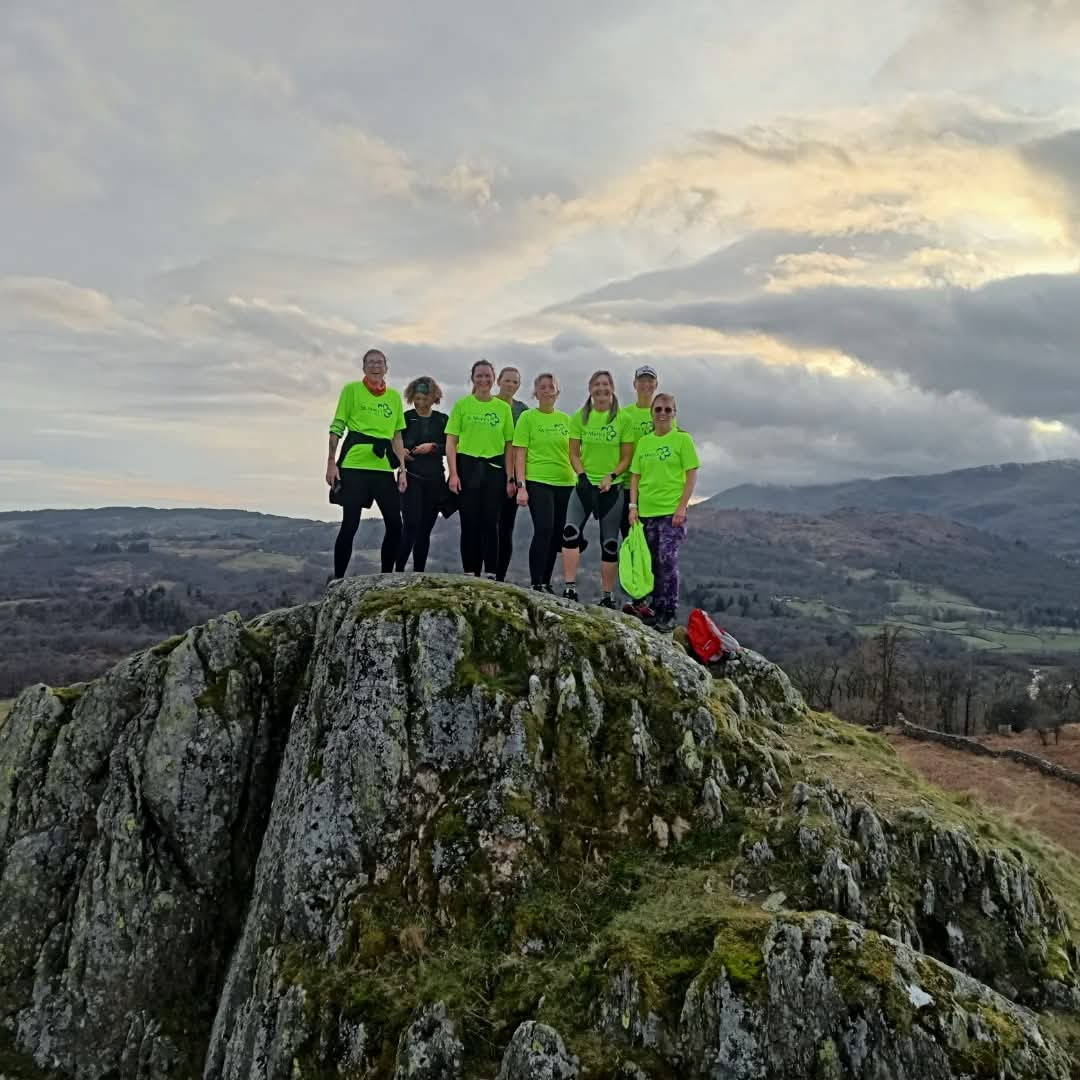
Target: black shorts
x=361, y=486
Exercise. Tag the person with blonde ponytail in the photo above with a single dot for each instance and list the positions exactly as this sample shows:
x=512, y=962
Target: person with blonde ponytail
x=544, y=476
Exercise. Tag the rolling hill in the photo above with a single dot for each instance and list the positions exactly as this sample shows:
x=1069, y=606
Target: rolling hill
x=1038, y=503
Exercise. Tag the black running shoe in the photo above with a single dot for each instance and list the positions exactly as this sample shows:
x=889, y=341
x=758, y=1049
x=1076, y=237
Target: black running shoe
x=609, y=603
x=570, y=593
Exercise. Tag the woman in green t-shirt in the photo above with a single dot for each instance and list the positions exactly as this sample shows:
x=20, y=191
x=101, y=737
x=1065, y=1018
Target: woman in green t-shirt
x=600, y=453
x=544, y=476
x=371, y=413
x=479, y=456
x=662, y=478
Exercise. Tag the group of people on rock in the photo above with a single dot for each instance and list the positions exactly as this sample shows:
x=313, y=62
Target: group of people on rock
x=616, y=464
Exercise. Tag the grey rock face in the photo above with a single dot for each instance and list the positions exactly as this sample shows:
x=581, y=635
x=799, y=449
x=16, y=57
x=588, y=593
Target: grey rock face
x=537, y=1052
x=430, y=1048
x=230, y=856
x=131, y=813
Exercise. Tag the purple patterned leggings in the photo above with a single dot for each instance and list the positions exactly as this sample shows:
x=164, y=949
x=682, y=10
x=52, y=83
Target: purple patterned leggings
x=664, y=540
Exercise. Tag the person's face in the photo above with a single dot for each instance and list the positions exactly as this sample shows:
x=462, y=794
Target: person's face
x=601, y=391
x=645, y=385
x=663, y=413
x=509, y=383
x=483, y=379
x=546, y=392
x=421, y=400
x=375, y=365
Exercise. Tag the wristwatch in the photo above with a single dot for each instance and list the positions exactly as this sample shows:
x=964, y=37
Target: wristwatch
x=614, y=476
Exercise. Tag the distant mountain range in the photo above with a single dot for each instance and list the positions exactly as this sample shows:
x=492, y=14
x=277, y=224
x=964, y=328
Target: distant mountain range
x=1038, y=503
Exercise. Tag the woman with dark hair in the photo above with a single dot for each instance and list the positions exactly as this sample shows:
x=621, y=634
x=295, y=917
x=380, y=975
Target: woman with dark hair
x=544, y=476
x=509, y=382
x=600, y=452
x=425, y=445
x=662, y=478
x=364, y=472
x=479, y=455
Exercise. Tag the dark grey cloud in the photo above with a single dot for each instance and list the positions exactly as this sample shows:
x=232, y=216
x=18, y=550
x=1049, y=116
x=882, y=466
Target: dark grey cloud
x=1011, y=343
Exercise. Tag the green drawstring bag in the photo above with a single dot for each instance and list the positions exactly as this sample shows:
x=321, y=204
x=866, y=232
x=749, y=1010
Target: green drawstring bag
x=635, y=564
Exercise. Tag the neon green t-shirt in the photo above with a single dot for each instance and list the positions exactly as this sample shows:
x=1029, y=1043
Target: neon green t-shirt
x=662, y=462
x=638, y=420
x=483, y=428
x=601, y=440
x=380, y=416
x=546, y=439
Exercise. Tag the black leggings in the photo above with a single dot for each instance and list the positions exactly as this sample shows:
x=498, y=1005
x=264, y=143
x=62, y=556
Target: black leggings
x=483, y=488
x=507, y=517
x=383, y=489
x=547, y=505
x=419, y=512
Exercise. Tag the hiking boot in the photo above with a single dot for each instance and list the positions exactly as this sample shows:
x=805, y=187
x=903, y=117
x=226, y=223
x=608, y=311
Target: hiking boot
x=545, y=589
x=609, y=603
x=640, y=610
x=664, y=623
x=570, y=593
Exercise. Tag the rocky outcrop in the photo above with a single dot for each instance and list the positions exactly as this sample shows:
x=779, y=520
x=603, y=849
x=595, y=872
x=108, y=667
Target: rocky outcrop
x=431, y=827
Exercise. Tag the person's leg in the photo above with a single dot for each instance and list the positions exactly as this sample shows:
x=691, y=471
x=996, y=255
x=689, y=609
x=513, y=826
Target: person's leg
x=428, y=515
x=410, y=520
x=560, y=499
x=388, y=500
x=670, y=538
x=507, y=517
x=470, y=505
x=611, y=509
x=350, y=522
x=542, y=512
x=624, y=513
x=493, y=495
x=576, y=516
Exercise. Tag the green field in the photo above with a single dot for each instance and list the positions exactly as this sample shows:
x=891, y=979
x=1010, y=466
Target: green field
x=816, y=608
x=910, y=594
x=1004, y=639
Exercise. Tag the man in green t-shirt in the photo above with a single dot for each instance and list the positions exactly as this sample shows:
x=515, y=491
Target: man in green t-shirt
x=638, y=420
x=662, y=478
x=371, y=413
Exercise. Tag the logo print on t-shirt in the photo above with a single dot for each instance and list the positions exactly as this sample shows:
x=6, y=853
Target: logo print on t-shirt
x=645, y=427
x=492, y=419
x=663, y=453
x=608, y=431
x=561, y=429
x=385, y=409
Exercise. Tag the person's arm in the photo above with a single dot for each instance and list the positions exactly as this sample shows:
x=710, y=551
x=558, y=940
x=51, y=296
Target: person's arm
x=624, y=463
x=337, y=429
x=508, y=462
x=679, y=517
x=454, y=480
x=519, y=472
x=399, y=448
x=575, y=457
x=635, y=483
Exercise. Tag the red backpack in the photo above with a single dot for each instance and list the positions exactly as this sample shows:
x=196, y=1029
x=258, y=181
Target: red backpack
x=710, y=644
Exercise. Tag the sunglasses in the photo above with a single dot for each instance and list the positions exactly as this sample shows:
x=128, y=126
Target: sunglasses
x=665, y=409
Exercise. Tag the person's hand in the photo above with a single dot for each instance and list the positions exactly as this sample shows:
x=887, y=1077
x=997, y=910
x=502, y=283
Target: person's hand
x=511, y=489
x=634, y=519
x=333, y=473
x=678, y=518
x=605, y=484
x=425, y=448
x=454, y=483
x=522, y=496
x=409, y=453
x=402, y=481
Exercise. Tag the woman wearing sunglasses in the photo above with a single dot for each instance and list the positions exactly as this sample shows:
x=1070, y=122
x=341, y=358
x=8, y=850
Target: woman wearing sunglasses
x=662, y=478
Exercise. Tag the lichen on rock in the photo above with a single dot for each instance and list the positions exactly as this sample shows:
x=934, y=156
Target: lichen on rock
x=432, y=827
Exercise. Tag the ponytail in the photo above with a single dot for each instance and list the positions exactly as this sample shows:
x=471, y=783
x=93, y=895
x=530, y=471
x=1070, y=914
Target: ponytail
x=586, y=409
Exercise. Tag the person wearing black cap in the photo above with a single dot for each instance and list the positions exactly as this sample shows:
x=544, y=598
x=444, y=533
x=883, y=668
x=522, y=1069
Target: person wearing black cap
x=425, y=444
x=637, y=420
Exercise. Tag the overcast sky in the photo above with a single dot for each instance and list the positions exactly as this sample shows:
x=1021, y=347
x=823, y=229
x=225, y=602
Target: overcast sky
x=845, y=231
